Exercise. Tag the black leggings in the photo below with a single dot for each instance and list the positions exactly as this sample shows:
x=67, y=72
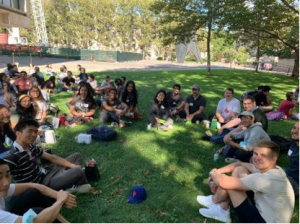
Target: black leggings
x=28, y=200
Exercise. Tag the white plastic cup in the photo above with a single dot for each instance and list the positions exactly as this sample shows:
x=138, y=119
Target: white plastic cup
x=55, y=122
x=50, y=137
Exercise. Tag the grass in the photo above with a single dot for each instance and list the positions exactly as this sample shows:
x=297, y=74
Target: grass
x=173, y=166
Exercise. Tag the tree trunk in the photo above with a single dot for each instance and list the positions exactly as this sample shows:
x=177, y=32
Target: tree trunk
x=209, y=26
x=257, y=54
x=295, y=73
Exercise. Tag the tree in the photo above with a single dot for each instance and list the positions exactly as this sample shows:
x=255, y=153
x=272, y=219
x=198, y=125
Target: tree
x=181, y=19
x=230, y=55
x=242, y=55
x=266, y=20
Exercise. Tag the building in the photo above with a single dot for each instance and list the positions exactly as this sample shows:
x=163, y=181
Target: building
x=15, y=13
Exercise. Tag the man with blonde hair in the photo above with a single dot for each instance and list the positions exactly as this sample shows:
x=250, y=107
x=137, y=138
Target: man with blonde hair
x=274, y=197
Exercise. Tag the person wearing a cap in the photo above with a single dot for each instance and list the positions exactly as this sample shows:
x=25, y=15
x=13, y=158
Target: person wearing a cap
x=253, y=132
x=274, y=199
x=235, y=124
x=194, y=106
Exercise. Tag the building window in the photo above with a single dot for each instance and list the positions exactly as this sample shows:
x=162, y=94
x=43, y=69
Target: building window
x=11, y=3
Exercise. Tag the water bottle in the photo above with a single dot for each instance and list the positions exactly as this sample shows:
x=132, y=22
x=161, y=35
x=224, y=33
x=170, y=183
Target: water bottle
x=216, y=157
x=149, y=127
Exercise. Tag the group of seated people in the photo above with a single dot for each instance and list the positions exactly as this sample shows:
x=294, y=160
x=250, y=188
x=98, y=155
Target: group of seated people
x=244, y=136
x=46, y=189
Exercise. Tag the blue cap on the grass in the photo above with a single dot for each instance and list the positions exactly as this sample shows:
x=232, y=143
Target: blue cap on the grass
x=138, y=195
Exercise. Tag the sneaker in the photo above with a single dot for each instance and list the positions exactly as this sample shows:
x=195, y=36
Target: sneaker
x=205, y=200
x=81, y=189
x=231, y=160
x=217, y=213
x=114, y=124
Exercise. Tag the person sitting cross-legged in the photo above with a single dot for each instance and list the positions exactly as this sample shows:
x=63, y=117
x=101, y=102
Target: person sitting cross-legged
x=194, y=106
x=25, y=166
x=68, y=82
x=274, y=198
x=113, y=108
x=30, y=202
x=83, y=105
x=159, y=112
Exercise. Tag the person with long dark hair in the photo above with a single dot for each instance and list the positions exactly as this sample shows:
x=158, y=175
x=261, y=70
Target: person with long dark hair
x=39, y=104
x=25, y=109
x=129, y=96
x=83, y=105
x=159, y=112
x=5, y=127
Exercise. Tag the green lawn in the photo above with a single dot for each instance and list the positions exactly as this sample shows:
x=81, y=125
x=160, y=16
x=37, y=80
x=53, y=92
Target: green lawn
x=173, y=166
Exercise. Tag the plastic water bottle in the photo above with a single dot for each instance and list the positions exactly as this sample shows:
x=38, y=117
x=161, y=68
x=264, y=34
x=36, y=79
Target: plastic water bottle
x=216, y=157
x=149, y=127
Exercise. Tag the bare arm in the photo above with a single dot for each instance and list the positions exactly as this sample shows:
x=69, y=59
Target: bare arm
x=74, y=112
x=232, y=123
x=57, y=160
x=90, y=113
x=229, y=183
x=201, y=109
x=186, y=108
x=65, y=85
x=106, y=107
x=219, y=116
x=229, y=168
x=230, y=116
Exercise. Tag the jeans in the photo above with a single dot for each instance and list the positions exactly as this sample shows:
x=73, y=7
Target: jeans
x=198, y=117
x=220, y=138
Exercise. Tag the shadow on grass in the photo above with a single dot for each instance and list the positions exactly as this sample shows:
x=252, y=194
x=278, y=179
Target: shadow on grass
x=173, y=166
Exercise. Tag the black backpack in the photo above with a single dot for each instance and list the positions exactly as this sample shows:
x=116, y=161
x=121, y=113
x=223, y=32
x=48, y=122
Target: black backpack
x=284, y=144
x=102, y=133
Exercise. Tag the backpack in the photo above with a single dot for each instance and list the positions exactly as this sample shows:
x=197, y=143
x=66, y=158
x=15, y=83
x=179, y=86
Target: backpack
x=283, y=143
x=102, y=133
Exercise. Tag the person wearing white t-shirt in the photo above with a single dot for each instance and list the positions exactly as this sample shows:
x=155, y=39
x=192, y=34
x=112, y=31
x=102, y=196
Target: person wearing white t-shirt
x=273, y=194
x=39, y=103
x=228, y=108
x=92, y=81
x=30, y=203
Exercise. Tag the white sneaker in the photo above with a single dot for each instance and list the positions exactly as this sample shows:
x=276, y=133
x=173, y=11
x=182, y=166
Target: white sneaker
x=81, y=189
x=205, y=200
x=217, y=213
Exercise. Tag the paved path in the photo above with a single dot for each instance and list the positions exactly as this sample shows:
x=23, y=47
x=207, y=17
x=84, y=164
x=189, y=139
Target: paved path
x=109, y=66
x=145, y=65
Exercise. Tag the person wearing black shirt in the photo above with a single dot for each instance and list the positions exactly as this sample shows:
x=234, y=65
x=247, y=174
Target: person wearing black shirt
x=68, y=82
